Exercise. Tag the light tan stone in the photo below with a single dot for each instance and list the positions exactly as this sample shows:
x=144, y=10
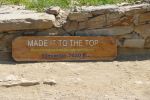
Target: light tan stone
x=77, y=16
x=134, y=9
x=134, y=43
x=25, y=82
x=54, y=10
x=143, y=30
x=10, y=77
x=99, y=10
x=10, y=22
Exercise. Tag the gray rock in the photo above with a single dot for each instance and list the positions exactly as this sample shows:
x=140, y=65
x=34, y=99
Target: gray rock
x=51, y=32
x=124, y=4
x=79, y=16
x=70, y=26
x=134, y=9
x=10, y=78
x=1, y=35
x=66, y=34
x=6, y=41
x=25, y=82
x=5, y=56
x=53, y=10
x=144, y=17
x=11, y=81
x=96, y=22
x=119, y=19
x=62, y=18
x=99, y=10
x=132, y=35
x=50, y=82
x=146, y=1
x=134, y=43
x=10, y=22
x=106, y=32
x=7, y=9
x=147, y=42
x=29, y=33
x=143, y=30
x=11, y=84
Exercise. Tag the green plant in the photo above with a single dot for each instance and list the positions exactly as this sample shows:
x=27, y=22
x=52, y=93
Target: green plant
x=41, y=4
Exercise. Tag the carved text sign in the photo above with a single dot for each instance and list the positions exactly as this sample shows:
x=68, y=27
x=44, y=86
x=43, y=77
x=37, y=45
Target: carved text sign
x=70, y=48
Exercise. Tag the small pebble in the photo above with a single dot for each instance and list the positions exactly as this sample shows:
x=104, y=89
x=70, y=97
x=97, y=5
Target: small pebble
x=50, y=82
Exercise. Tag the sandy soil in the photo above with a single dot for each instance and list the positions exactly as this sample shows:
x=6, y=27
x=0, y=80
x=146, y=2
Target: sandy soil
x=117, y=80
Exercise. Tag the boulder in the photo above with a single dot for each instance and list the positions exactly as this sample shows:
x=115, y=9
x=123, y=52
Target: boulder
x=132, y=35
x=143, y=30
x=99, y=10
x=95, y=22
x=61, y=18
x=144, y=17
x=77, y=16
x=25, y=82
x=106, y=32
x=1, y=35
x=10, y=22
x=147, y=42
x=70, y=26
x=51, y=32
x=49, y=82
x=10, y=78
x=11, y=84
x=54, y=10
x=6, y=41
x=118, y=19
x=134, y=43
x=134, y=9
x=5, y=56
x=14, y=9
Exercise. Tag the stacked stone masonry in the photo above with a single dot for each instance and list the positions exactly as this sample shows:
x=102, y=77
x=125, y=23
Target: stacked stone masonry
x=130, y=24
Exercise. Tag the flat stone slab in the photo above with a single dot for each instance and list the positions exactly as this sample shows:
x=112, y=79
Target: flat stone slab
x=120, y=30
x=18, y=21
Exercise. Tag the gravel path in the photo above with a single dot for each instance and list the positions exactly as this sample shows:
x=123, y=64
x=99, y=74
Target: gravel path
x=118, y=80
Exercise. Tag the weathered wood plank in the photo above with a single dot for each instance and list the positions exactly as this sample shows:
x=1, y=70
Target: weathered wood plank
x=71, y=48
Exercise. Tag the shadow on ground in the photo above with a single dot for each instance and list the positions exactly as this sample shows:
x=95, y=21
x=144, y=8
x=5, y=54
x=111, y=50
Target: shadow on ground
x=133, y=58
x=119, y=58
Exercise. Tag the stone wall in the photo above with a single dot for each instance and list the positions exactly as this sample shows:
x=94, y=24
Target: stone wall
x=130, y=25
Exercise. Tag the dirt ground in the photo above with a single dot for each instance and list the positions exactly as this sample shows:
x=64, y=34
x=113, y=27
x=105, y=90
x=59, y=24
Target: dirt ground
x=123, y=79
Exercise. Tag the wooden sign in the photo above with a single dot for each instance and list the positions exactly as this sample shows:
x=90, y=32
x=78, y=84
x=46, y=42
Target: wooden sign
x=59, y=48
